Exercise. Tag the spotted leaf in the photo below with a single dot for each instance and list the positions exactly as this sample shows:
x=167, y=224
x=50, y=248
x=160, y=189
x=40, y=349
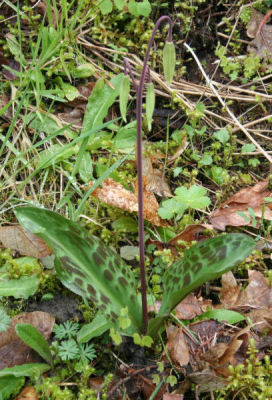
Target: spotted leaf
x=203, y=262
x=85, y=264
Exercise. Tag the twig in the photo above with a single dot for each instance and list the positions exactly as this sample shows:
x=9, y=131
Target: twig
x=237, y=122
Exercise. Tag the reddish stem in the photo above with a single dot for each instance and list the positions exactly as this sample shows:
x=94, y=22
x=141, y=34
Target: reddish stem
x=139, y=106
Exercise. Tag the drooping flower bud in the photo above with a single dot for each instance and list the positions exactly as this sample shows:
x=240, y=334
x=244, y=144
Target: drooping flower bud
x=124, y=94
x=169, y=61
x=150, y=103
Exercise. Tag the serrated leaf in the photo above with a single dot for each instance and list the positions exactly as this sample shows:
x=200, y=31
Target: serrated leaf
x=150, y=104
x=194, y=197
x=203, y=262
x=169, y=61
x=222, y=135
x=119, y=4
x=105, y=7
x=85, y=264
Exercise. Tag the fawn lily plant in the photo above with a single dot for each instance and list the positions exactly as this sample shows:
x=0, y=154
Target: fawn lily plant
x=93, y=270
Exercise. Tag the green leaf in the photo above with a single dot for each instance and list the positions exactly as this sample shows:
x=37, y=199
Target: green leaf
x=23, y=287
x=54, y=156
x=10, y=385
x=222, y=135
x=171, y=207
x=150, y=104
x=83, y=71
x=194, y=197
x=248, y=148
x=25, y=370
x=124, y=95
x=169, y=61
x=232, y=317
x=33, y=338
x=99, y=102
x=105, y=7
x=203, y=262
x=144, y=8
x=126, y=224
x=119, y=4
x=85, y=264
x=86, y=167
x=126, y=137
x=97, y=327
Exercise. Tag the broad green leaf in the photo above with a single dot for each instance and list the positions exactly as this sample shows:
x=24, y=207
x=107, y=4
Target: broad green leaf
x=23, y=287
x=248, y=148
x=169, y=61
x=85, y=264
x=54, y=156
x=232, y=317
x=126, y=224
x=25, y=370
x=126, y=137
x=99, y=102
x=96, y=328
x=203, y=262
x=86, y=167
x=83, y=71
x=171, y=207
x=222, y=135
x=193, y=197
x=144, y=8
x=119, y=4
x=150, y=104
x=10, y=386
x=124, y=95
x=105, y=6
x=33, y=338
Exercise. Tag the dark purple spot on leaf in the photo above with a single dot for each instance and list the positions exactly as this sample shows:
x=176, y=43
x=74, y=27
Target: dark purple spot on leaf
x=104, y=299
x=187, y=279
x=123, y=281
x=108, y=275
x=91, y=289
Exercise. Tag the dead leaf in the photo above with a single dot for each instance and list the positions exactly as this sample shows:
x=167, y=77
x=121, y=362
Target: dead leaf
x=177, y=346
x=261, y=45
x=26, y=243
x=190, y=307
x=116, y=195
x=190, y=233
x=230, y=291
x=28, y=393
x=155, y=179
x=179, y=151
x=252, y=197
x=13, y=351
x=172, y=396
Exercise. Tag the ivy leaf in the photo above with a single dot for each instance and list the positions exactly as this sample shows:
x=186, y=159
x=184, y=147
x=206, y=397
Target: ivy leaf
x=193, y=197
x=171, y=207
x=119, y=4
x=248, y=148
x=106, y=7
x=222, y=135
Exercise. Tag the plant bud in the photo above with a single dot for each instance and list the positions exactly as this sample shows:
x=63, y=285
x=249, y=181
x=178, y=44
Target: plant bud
x=169, y=61
x=124, y=94
x=150, y=104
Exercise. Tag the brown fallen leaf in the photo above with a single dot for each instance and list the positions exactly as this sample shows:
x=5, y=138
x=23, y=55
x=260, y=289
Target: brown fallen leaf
x=252, y=197
x=173, y=396
x=116, y=195
x=191, y=306
x=177, y=346
x=15, y=237
x=261, y=45
x=13, y=351
x=155, y=179
x=28, y=393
